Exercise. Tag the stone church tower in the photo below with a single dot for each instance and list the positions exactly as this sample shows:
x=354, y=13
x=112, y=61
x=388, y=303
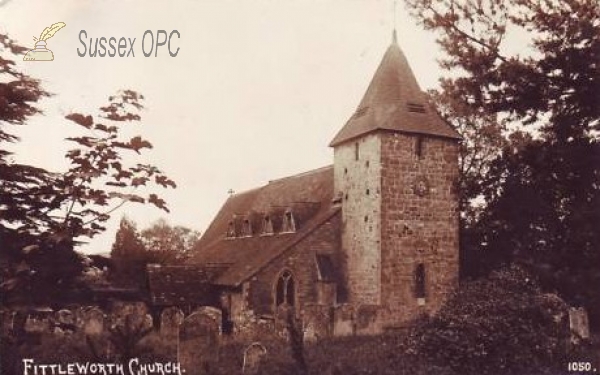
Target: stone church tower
x=395, y=169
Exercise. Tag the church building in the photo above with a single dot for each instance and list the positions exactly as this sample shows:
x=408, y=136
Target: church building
x=367, y=244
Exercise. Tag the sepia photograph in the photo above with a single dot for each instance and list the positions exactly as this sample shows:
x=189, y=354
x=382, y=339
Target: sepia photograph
x=308, y=187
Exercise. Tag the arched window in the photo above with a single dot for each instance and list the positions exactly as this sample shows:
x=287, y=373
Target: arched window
x=285, y=291
x=420, y=281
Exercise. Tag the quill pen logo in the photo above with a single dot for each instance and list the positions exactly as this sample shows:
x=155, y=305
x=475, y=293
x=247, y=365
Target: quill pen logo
x=40, y=52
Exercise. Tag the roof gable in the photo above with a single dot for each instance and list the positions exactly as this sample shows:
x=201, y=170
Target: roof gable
x=307, y=196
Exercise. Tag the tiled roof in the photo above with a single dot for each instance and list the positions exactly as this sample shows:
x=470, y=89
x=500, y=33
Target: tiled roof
x=307, y=195
x=394, y=102
x=175, y=285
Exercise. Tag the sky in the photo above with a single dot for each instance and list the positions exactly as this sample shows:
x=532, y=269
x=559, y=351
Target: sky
x=257, y=91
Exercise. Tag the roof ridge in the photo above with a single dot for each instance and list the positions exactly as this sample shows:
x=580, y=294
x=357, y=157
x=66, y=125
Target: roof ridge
x=302, y=174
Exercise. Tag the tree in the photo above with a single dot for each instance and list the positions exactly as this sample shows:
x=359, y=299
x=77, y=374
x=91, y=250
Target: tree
x=25, y=191
x=556, y=86
x=168, y=244
x=46, y=212
x=129, y=255
x=482, y=142
x=541, y=191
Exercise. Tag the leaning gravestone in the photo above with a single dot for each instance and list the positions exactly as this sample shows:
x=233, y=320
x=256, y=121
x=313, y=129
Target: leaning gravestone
x=199, y=337
x=253, y=356
x=93, y=321
x=170, y=320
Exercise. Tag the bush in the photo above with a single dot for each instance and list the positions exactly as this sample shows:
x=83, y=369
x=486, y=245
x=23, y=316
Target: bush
x=500, y=325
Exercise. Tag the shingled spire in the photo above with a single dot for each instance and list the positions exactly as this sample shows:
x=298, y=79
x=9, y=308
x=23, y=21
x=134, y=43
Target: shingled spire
x=394, y=102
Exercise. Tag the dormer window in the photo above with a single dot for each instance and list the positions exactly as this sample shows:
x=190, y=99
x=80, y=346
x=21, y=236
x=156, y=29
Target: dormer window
x=246, y=228
x=230, y=230
x=288, y=222
x=267, y=226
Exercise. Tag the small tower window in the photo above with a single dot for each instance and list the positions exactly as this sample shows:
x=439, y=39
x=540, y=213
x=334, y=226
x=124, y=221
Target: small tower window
x=419, y=147
x=230, y=230
x=289, y=224
x=420, y=281
x=267, y=225
x=356, y=151
x=247, y=228
x=285, y=291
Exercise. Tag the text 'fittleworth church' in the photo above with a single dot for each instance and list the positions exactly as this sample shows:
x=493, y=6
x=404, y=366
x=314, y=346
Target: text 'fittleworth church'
x=367, y=244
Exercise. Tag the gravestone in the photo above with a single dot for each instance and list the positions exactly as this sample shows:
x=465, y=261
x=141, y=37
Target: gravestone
x=578, y=324
x=170, y=320
x=343, y=321
x=133, y=313
x=93, y=321
x=199, y=337
x=148, y=322
x=316, y=322
x=65, y=320
x=202, y=323
x=8, y=318
x=35, y=324
x=79, y=313
x=253, y=356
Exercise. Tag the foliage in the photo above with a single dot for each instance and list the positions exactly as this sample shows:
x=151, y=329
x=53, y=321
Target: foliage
x=43, y=213
x=161, y=243
x=547, y=212
x=296, y=337
x=129, y=255
x=125, y=340
x=539, y=192
x=500, y=325
x=25, y=190
x=558, y=83
x=168, y=244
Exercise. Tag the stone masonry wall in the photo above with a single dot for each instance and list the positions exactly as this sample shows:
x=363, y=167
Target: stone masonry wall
x=358, y=180
x=301, y=262
x=419, y=218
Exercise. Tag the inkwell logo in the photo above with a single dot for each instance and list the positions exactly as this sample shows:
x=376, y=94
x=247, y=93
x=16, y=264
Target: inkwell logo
x=40, y=52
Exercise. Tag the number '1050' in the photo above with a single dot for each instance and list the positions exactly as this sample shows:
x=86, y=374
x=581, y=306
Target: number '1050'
x=580, y=366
